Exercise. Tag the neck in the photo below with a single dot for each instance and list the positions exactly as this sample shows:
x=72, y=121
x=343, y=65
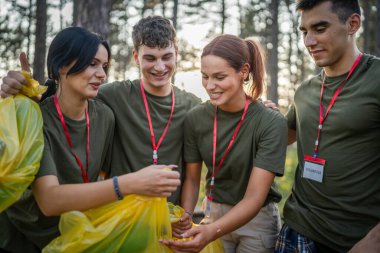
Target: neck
x=159, y=91
x=236, y=104
x=71, y=106
x=344, y=65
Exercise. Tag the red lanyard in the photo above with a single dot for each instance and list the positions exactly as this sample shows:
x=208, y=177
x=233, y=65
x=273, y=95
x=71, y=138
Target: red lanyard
x=154, y=145
x=84, y=172
x=214, y=140
x=322, y=117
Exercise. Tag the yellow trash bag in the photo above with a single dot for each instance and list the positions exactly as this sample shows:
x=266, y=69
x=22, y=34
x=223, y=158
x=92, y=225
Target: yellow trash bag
x=132, y=225
x=176, y=213
x=21, y=146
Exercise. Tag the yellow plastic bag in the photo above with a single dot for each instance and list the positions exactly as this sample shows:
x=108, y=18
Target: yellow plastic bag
x=33, y=88
x=134, y=224
x=21, y=146
x=176, y=213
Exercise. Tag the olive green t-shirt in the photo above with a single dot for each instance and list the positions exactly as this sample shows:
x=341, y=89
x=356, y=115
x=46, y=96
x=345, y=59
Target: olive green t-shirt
x=25, y=217
x=346, y=205
x=261, y=142
x=132, y=147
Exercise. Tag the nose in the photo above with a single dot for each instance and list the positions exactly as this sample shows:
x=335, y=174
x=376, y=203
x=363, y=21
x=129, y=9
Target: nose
x=101, y=73
x=209, y=84
x=159, y=66
x=309, y=40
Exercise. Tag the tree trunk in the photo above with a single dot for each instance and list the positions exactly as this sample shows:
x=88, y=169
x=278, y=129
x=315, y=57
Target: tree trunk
x=223, y=15
x=175, y=13
x=30, y=16
x=273, y=53
x=378, y=28
x=40, y=42
x=93, y=15
x=366, y=26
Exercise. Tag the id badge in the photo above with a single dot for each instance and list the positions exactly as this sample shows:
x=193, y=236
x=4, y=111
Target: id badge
x=208, y=209
x=313, y=168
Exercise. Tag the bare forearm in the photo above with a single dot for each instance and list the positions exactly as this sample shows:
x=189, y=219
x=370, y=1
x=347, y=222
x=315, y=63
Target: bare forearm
x=58, y=199
x=239, y=215
x=190, y=193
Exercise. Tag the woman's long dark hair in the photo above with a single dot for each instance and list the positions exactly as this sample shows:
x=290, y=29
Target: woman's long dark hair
x=72, y=44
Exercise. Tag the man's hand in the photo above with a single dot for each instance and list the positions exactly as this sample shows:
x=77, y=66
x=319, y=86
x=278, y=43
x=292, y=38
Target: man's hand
x=13, y=81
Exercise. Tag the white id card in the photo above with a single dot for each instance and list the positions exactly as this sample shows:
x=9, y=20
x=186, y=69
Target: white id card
x=313, y=168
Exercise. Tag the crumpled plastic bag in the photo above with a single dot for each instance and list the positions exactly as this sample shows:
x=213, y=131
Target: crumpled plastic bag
x=176, y=213
x=132, y=225
x=21, y=146
x=33, y=88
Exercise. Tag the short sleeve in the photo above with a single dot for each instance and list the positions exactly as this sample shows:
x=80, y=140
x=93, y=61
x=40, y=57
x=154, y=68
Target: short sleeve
x=191, y=150
x=47, y=165
x=271, y=145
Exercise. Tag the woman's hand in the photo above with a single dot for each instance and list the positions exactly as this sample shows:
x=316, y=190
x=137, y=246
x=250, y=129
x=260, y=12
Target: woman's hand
x=154, y=180
x=201, y=236
x=184, y=224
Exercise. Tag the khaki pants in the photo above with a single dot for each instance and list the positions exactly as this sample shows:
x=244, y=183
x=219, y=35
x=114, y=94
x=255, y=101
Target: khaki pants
x=257, y=236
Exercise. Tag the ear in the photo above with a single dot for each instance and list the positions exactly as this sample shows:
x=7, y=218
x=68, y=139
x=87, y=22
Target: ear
x=354, y=23
x=136, y=56
x=245, y=71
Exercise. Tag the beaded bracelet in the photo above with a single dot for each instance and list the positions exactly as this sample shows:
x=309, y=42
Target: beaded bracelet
x=116, y=188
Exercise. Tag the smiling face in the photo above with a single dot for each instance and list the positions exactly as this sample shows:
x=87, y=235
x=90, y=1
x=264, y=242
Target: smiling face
x=86, y=83
x=327, y=39
x=157, y=66
x=223, y=83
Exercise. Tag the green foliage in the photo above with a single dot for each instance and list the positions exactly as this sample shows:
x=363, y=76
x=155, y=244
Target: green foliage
x=285, y=183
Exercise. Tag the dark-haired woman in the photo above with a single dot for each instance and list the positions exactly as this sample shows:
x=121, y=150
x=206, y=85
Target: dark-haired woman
x=78, y=133
x=243, y=145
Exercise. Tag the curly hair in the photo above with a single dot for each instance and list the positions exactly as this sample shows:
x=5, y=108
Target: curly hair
x=154, y=31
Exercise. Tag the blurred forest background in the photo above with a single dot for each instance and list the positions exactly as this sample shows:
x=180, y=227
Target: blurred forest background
x=29, y=25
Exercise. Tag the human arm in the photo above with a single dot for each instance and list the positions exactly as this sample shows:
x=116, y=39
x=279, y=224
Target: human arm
x=189, y=198
x=292, y=137
x=12, y=83
x=258, y=187
x=55, y=199
x=370, y=243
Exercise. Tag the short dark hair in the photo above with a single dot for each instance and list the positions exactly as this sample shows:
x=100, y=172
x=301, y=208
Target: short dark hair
x=154, y=31
x=73, y=44
x=343, y=8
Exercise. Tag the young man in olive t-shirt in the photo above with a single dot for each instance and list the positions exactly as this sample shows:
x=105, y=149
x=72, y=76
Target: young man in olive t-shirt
x=335, y=120
x=151, y=105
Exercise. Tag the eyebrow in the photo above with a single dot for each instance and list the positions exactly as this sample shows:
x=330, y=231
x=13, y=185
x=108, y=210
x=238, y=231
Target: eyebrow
x=98, y=60
x=154, y=56
x=214, y=74
x=320, y=23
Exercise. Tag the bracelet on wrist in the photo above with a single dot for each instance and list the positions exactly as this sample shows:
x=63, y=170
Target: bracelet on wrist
x=189, y=213
x=116, y=188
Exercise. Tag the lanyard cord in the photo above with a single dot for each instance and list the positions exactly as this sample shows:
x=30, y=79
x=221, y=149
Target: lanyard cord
x=322, y=117
x=84, y=172
x=215, y=130
x=154, y=145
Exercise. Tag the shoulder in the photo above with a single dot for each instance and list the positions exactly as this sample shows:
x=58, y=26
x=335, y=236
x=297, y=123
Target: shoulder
x=183, y=96
x=115, y=88
x=269, y=116
x=99, y=110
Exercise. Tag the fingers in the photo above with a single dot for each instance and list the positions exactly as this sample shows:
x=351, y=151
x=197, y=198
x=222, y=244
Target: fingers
x=24, y=62
x=12, y=84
